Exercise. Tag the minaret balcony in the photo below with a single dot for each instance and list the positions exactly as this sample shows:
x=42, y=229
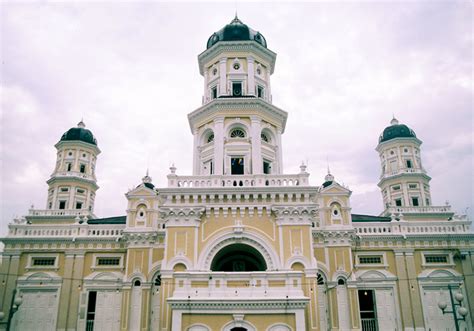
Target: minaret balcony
x=60, y=212
x=238, y=181
x=402, y=171
x=75, y=174
x=418, y=210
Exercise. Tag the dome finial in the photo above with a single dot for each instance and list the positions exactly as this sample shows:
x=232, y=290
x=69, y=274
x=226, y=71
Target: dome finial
x=147, y=178
x=394, y=121
x=81, y=124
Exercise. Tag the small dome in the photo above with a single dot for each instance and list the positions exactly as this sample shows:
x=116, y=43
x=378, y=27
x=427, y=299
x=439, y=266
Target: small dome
x=236, y=31
x=79, y=133
x=396, y=130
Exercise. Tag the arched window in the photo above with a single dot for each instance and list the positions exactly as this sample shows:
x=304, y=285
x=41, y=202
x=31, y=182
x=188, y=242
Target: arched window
x=238, y=258
x=320, y=279
x=265, y=137
x=237, y=133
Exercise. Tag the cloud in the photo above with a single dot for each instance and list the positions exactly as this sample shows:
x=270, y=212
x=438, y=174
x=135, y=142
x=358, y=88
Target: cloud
x=130, y=71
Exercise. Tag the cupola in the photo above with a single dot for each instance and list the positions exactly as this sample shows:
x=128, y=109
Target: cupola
x=79, y=133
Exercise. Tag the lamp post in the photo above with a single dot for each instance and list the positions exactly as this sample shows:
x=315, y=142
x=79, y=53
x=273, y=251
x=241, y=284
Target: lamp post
x=460, y=313
x=14, y=305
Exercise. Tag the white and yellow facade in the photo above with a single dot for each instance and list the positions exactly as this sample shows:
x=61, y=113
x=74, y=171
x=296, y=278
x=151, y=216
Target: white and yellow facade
x=238, y=245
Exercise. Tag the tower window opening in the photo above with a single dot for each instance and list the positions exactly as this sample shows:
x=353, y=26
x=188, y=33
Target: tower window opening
x=238, y=258
x=267, y=167
x=78, y=205
x=264, y=137
x=211, y=170
x=82, y=168
x=427, y=201
x=237, y=165
x=260, y=91
x=415, y=202
x=69, y=166
x=50, y=205
x=214, y=92
x=237, y=89
x=409, y=164
x=210, y=138
x=237, y=133
x=62, y=204
x=398, y=202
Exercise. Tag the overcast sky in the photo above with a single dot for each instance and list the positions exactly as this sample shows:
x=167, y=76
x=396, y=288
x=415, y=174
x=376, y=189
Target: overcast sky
x=130, y=70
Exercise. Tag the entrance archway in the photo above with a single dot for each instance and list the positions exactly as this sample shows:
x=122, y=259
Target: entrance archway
x=238, y=258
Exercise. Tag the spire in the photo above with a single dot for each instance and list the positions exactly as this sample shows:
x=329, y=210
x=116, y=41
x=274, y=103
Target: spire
x=81, y=124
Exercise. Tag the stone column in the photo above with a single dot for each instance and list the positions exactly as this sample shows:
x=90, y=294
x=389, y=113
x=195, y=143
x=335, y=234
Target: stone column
x=206, y=95
x=411, y=308
x=250, y=76
x=77, y=276
x=279, y=156
x=219, y=145
x=257, y=162
x=9, y=274
x=196, y=156
x=467, y=263
x=65, y=294
x=223, y=76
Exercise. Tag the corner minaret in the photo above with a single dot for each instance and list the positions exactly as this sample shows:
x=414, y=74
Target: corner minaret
x=237, y=130
x=73, y=184
x=404, y=182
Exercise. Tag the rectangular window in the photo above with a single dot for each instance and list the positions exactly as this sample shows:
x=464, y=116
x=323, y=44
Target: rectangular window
x=50, y=205
x=80, y=191
x=83, y=168
x=396, y=187
x=78, y=205
x=91, y=309
x=409, y=164
x=398, y=202
x=412, y=186
x=62, y=204
x=436, y=258
x=267, y=167
x=212, y=168
x=414, y=201
x=370, y=259
x=427, y=201
x=237, y=89
x=214, y=92
x=108, y=261
x=260, y=91
x=43, y=261
x=69, y=166
x=237, y=165
x=64, y=189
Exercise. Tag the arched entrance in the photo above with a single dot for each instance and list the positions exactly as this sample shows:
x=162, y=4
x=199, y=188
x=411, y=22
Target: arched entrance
x=238, y=258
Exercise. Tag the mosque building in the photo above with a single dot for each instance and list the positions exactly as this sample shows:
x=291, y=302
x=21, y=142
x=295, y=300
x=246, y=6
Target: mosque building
x=239, y=245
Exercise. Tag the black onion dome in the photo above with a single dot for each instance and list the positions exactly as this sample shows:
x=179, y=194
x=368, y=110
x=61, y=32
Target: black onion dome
x=236, y=31
x=396, y=130
x=79, y=133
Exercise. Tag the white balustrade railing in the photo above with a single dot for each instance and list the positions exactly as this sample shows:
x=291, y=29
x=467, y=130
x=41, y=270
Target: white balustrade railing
x=238, y=181
x=407, y=227
x=64, y=230
x=238, y=285
x=59, y=212
x=420, y=210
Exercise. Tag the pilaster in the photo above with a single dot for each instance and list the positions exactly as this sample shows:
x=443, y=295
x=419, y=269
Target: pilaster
x=222, y=76
x=257, y=163
x=219, y=145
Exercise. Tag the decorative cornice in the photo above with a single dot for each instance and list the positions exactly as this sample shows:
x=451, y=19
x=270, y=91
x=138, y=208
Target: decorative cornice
x=238, y=104
x=233, y=46
x=243, y=303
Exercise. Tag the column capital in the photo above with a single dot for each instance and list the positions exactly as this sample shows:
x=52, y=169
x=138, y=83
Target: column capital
x=250, y=58
x=219, y=119
x=255, y=119
x=223, y=60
